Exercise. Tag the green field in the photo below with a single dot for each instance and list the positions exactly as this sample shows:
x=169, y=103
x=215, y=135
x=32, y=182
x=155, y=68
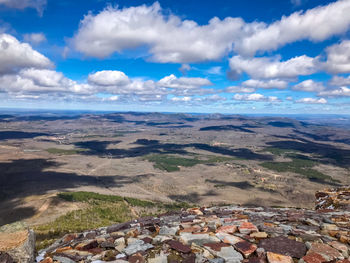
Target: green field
x=299, y=166
x=64, y=151
x=101, y=210
x=172, y=163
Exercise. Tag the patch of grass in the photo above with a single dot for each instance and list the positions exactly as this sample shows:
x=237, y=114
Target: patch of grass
x=97, y=215
x=89, y=196
x=139, y=203
x=102, y=210
x=64, y=151
x=172, y=163
x=299, y=166
x=278, y=151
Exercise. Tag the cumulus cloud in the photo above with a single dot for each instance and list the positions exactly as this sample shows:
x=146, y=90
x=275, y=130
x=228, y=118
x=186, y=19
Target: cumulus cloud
x=255, y=97
x=337, y=92
x=115, y=30
x=183, y=99
x=239, y=89
x=312, y=101
x=272, y=67
x=15, y=55
x=35, y=81
x=340, y=81
x=316, y=24
x=309, y=85
x=265, y=84
x=109, y=78
x=39, y=5
x=338, y=58
x=34, y=38
x=172, y=81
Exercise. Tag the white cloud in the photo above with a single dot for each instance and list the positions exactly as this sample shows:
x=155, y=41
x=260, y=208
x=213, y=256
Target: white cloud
x=338, y=58
x=312, y=101
x=239, y=89
x=338, y=92
x=108, y=78
x=316, y=24
x=113, y=98
x=272, y=67
x=184, y=99
x=115, y=30
x=255, y=97
x=172, y=81
x=39, y=5
x=265, y=84
x=309, y=85
x=45, y=77
x=169, y=38
x=340, y=81
x=34, y=38
x=15, y=55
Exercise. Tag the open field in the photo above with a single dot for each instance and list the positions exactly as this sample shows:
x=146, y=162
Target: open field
x=152, y=162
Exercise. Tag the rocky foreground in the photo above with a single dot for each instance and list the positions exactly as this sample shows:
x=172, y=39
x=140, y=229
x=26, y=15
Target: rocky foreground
x=215, y=234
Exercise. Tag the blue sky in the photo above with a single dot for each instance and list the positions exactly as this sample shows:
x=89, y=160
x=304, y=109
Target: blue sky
x=290, y=56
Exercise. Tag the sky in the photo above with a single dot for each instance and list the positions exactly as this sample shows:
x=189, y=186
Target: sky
x=223, y=56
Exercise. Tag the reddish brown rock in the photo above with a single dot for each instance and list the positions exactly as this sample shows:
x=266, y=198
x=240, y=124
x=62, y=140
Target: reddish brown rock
x=246, y=248
x=313, y=258
x=216, y=246
x=227, y=229
x=178, y=246
x=137, y=258
x=284, y=246
x=247, y=228
x=328, y=252
x=277, y=258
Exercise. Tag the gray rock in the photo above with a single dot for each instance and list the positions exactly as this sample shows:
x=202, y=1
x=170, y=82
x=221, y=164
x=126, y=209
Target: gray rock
x=229, y=254
x=198, y=239
x=136, y=246
x=217, y=260
x=23, y=252
x=168, y=230
x=63, y=259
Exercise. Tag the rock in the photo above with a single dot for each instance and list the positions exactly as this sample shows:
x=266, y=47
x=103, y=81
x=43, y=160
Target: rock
x=246, y=248
x=168, y=230
x=229, y=239
x=278, y=258
x=258, y=235
x=5, y=258
x=137, y=258
x=312, y=258
x=229, y=254
x=158, y=259
x=326, y=251
x=178, y=246
x=247, y=228
x=18, y=241
x=63, y=259
x=344, y=249
x=199, y=239
x=227, y=229
x=136, y=247
x=284, y=246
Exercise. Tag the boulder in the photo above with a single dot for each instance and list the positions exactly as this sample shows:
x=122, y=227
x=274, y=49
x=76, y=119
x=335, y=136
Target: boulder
x=18, y=242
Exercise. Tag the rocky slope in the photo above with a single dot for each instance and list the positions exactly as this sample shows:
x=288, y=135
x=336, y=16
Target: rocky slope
x=216, y=234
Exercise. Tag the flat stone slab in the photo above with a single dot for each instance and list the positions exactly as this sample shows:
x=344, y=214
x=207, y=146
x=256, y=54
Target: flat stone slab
x=284, y=246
